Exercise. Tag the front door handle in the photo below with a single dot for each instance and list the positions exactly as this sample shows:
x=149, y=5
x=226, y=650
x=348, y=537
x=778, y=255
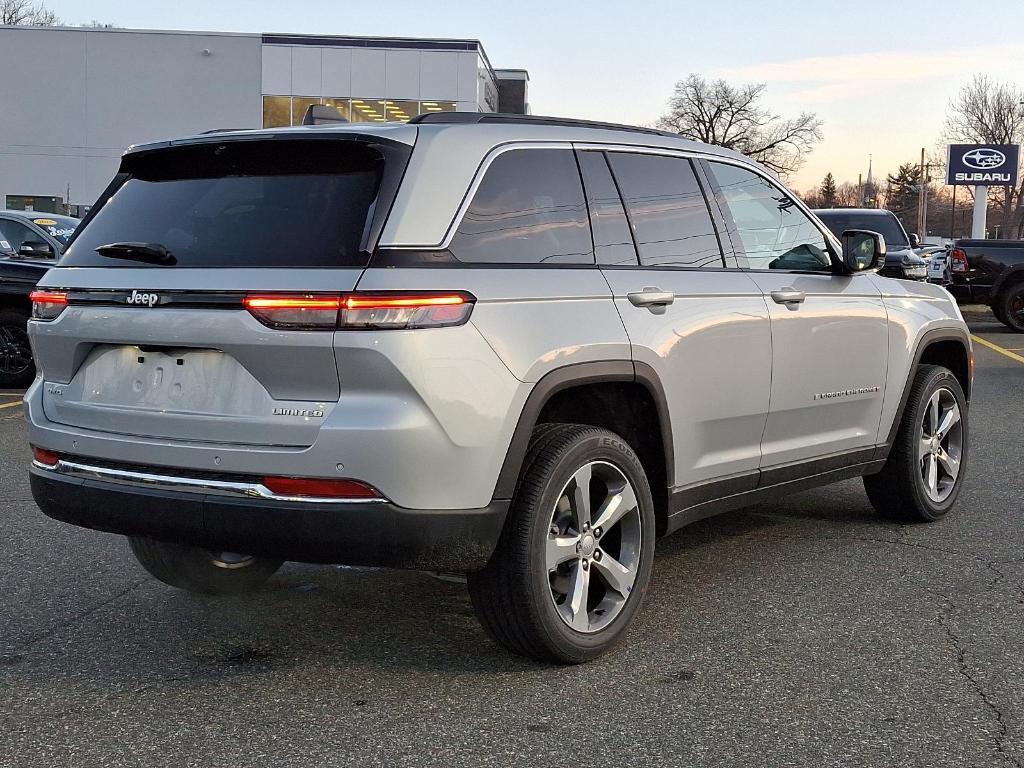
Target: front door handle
x=654, y=299
x=789, y=297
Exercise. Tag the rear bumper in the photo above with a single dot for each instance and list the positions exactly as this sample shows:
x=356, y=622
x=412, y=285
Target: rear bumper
x=358, y=533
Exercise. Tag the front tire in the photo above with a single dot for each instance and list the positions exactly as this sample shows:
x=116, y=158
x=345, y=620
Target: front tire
x=201, y=571
x=16, y=366
x=925, y=470
x=574, y=560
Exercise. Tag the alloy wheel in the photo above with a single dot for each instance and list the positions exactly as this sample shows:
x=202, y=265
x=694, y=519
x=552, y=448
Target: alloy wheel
x=941, y=445
x=593, y=546
x=15, y=351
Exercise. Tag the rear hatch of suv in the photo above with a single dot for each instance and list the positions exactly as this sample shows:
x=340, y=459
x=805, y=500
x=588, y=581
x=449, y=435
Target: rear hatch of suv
x=156, y=337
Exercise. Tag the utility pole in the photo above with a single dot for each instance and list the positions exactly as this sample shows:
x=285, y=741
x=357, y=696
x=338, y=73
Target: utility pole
x=922, y=201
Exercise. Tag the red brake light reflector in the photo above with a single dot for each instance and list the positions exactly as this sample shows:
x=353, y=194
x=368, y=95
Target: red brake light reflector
x=46, y=305
x=320, y=488
x=295, y=312
x=45, y=457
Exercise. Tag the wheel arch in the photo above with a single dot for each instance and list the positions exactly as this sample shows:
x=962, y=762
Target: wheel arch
x=585, y=391
x=941, y=346
x=1009, y=277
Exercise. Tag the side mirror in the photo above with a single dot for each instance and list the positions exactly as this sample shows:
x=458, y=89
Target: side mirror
x=862, y=250
x=915, y=241
x=35, y=248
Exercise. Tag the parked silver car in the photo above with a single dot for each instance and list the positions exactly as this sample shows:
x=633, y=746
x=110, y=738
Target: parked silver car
x=521, y=348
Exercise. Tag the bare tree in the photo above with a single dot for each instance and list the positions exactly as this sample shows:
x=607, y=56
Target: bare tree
x=989, y=112
x=716, y=112
x=27, y=12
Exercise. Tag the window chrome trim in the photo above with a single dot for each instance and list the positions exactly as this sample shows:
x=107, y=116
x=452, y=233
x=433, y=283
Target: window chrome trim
x=155, y=481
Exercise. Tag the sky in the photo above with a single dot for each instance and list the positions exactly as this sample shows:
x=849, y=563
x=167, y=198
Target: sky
x=879, y=74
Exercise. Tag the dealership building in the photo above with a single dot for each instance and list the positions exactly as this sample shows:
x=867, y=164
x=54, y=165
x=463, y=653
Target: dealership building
x=73, y=99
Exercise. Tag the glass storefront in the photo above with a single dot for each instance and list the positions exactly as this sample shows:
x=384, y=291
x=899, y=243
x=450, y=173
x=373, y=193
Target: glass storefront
x=280, y=111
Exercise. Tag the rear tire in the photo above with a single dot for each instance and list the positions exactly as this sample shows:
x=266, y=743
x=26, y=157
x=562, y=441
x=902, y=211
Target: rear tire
x=1009, y=307
x=918, y=482
x=574, y=560
x=17, y=370
x=201, y=571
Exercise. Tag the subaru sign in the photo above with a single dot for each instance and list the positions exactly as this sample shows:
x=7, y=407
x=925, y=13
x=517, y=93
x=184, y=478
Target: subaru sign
x=983, y=164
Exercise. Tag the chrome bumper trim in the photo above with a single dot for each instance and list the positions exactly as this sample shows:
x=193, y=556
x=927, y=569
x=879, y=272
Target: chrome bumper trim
x=69, y=468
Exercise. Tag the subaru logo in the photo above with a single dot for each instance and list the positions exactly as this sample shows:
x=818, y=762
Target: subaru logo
x=142, y=299
x=983, y=158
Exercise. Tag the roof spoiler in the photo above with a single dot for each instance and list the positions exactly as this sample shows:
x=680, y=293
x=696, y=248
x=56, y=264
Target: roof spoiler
x=322, y=114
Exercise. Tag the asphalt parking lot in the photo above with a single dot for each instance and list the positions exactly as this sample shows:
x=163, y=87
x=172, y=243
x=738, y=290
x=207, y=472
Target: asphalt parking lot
x=800, y=633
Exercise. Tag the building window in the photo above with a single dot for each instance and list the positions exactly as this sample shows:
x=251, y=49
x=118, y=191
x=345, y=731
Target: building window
x=282, y=111
x=437, y=106
x=341, y=105
x=299, y=106
x=277, y=111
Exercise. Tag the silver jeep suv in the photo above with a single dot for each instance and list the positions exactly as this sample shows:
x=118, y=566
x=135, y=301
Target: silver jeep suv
x=520, y=348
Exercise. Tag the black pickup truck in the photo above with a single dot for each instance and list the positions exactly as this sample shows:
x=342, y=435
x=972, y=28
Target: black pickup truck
x=30, y=242
x=18, y=276
x=990, y=272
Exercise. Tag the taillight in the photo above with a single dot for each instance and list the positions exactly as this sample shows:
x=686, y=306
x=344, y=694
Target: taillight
x=311, y=487
x=356, y=311
x=297, y=312
x=46, y=305
x=957, y=260
x=435, y=310
x=45, y=457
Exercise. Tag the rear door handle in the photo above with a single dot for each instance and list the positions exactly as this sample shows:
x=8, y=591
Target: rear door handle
x=654, y=299
x=788, y=296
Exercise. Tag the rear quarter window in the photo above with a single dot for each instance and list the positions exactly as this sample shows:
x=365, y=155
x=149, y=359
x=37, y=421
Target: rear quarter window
x=529, y=209
x=241, y=204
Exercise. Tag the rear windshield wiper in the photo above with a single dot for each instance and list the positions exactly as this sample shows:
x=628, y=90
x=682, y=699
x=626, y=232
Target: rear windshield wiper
x=151, y=253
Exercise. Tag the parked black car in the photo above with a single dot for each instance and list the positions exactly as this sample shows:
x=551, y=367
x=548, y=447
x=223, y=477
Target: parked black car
x=30, y=242
x=990, y=272
x=901, y=260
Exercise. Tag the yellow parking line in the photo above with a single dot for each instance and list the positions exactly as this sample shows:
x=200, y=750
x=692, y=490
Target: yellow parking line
x=15, y=405
x=997, y=348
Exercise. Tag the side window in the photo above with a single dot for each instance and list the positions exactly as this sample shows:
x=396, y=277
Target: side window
x=773, y=232
x=613, y=243
x=16, y=234
x=529, y=209
x=667, y=210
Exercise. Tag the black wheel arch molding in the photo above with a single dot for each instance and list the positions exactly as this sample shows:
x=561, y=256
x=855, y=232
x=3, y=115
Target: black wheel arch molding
x=928, y=339
x=578, y=375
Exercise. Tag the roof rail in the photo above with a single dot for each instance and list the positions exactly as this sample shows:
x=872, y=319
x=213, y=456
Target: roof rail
x=450, y=118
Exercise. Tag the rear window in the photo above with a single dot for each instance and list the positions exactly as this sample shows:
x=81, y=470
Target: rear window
x=670, y=217
x=529, y=209
x=241, y=204
x=885, y=223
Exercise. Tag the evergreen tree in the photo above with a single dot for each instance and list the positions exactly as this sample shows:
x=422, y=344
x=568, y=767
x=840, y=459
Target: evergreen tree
x=903, y=187
x=827, y=191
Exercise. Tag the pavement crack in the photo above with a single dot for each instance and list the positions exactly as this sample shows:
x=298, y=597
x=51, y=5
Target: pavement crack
x=999, y=740
x=79, y=616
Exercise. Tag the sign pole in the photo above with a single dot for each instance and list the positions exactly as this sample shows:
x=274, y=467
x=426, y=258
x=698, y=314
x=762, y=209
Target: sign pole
x=980, y=212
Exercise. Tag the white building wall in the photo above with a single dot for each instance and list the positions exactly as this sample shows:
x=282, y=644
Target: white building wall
x=72, y=100
x=375, y=73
